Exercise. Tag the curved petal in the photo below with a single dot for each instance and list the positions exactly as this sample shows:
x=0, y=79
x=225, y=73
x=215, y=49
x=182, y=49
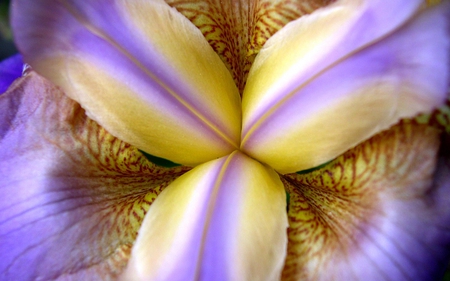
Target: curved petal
x=306, y=47
x=374, y=213
x=404, y=74
x=140, y=69
x=72, y=197
x=10, y=70
x=224, y=220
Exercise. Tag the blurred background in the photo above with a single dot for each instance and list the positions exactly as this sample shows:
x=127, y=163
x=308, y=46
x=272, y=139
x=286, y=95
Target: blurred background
x=7, y=47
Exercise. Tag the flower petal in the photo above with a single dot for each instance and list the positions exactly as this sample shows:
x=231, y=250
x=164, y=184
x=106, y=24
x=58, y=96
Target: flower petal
x=10, y=70
x=374, y=213
x=72, y=197
x=139, y=68
x=307, y=46
x=224, y=220
x=405, y=73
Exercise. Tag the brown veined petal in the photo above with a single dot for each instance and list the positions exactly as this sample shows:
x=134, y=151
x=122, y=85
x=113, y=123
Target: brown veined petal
x=439, y=118
x=237, y=30
x=139, y=68
x=374, y=213
x=72, y=197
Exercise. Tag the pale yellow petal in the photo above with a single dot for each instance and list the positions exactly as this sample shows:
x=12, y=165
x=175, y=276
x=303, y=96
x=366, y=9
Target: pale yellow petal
x=140, y=69
x=312, y=121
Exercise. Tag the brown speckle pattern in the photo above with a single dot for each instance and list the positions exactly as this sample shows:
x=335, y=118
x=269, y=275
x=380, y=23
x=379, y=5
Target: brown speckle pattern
x=97, y=188
x=237, y=30
x=330, y=208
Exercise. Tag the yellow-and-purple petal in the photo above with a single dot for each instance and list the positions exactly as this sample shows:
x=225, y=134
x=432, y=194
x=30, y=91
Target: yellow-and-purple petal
x=360, y=74
x=223, y=220
x=140, y=69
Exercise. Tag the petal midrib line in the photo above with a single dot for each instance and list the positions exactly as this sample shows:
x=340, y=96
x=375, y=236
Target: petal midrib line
x=190, y=107
x=210, y=210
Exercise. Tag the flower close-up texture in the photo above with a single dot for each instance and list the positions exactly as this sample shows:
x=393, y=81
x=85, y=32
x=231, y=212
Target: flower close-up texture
x=226, y=140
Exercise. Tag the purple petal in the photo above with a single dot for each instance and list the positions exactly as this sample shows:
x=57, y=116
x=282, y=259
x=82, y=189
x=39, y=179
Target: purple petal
x=10, y=70
x=72, y=196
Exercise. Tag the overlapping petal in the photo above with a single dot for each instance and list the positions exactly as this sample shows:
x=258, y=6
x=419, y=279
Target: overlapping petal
x=375, y=213
x=139, y=68
x=311, y=98
x=10, y=70
x=224, y=220
x=72, y=196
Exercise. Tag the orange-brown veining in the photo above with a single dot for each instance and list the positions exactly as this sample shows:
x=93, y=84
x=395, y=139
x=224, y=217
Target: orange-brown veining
x=237, y=29
x=331, y=208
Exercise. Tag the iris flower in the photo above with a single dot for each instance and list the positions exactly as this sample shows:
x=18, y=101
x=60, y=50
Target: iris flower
x=311, y=141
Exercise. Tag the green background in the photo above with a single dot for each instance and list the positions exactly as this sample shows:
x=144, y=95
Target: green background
x=6, y=44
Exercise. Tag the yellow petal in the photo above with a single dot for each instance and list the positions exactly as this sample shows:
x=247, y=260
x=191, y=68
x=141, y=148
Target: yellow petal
x=306, y=123
x=223, y=220
x=140, y=69
x=307, y=46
